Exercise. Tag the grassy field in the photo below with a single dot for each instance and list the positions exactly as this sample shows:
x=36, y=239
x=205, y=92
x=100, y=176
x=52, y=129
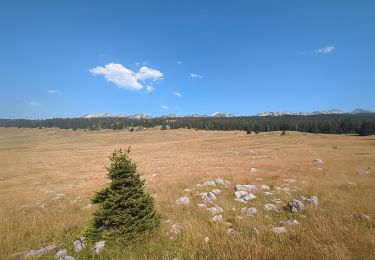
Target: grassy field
x=48, y=175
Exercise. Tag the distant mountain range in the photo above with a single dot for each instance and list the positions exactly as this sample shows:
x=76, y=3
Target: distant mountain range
x=219, y=114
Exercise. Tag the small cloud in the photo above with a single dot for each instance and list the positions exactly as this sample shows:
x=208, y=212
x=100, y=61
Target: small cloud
x=179, y=62
x=325, y=50
x=54, y=92
x=178, y=94
x=149, y=89
x=148, y=73
x=34, y=103
x=197, y=76
x=164, y=107
x=125, y=78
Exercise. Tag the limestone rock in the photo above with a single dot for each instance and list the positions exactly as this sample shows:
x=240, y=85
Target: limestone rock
x=217, y=219
x=98, y=247
x=183, y=201
x=40, y=251
x=295, y=206
x=249, y=211
x=216, y=191
x=208, y=197
x=215, y=210
x=79, y=244
x=175, y=229
x=270, y=207
x=313, y=200
x=278, y=230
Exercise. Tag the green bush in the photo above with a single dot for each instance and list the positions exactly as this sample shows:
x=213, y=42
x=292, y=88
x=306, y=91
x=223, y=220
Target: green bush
x=125, y=213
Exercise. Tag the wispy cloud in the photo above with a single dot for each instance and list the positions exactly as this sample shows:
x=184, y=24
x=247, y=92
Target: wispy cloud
x=54, y=92
x=125, y=78
x=178, y=94
x=34, y=103
x=197, y=76
x=164, y=107
x=325, y=50
x=179, y=62
x=149, y=89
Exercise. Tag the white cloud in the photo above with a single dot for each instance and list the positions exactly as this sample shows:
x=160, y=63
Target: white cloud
x=125, y=78
x=164, y=107
x=149, y=89
x=325, y=50
x=194, y=75
x=148, y=73
x=54, y=92
x=34, y=103
x=179, y=62
x=177, y=94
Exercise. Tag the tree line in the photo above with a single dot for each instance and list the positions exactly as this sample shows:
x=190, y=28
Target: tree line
x=362, y=124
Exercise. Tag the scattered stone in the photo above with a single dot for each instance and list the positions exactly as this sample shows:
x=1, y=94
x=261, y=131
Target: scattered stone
x=188, y=190
x=58, y=196
x=87, y=207
x=313, y=200
x=61, y=254
x=98, y=247
x=277, y=188
x=289, y=180
x=175, y=229
x=208, y=197
x=286, y=189
x=278, y=201
x=270, y=207
x=240, y=200
x=240, y=194
x=278, y=230
x=219, y=181
x=231, y=231
x=209, y=183
x=206, y=239
x=183, y=201
x=244, y=195
x=79, y=244
x=236, y=152
x=265, y=187
x=362, y=217
x=362, y=173
x=268, y=193
x=215, y=210
x=317, y=161
x=217, y=219
x=295, y=206
x=41, y=205
x=253, y=170
x=336, y=147
x=240, y=187
x=216, y=191
x=201, y=205
x=293, y=222
x=259, y=179
x=40, y=251
x=249, y=211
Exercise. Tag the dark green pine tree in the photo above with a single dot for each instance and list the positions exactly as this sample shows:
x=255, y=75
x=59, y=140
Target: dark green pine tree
x=125, y=213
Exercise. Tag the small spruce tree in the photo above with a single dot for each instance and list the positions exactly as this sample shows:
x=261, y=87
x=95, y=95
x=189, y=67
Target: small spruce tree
x=125, y=213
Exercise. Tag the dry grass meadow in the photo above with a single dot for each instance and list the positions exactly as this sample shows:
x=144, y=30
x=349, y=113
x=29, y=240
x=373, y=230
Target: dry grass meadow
x=37, y=165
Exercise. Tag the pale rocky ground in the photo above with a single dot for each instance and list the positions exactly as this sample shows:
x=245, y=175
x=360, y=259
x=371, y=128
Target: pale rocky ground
x=47, y=177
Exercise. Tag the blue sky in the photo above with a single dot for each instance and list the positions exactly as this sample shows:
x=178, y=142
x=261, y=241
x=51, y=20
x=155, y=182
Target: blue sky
x=69, y=58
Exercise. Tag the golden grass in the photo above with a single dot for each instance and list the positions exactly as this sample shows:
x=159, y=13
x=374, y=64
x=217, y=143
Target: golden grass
x=38, y=164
